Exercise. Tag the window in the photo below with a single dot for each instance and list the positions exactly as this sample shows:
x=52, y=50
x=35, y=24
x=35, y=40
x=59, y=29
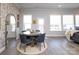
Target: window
x=55, y=22
x=12, y=22
x=27, y=21
x=77, y=20
x=41, y=24
x=68, y=22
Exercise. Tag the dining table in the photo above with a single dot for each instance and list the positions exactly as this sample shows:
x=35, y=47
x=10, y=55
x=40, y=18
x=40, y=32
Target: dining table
x=33, y=36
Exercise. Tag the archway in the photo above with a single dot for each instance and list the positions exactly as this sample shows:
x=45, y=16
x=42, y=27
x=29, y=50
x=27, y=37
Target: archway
x=10, y=28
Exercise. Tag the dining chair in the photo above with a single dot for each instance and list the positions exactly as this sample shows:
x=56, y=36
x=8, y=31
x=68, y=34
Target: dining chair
x=24, y=31
x=41, y=39
x=37, y=30
x=24, y=41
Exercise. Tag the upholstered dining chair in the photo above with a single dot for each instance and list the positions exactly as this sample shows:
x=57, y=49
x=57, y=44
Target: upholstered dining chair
x=41, y=39
x=37, y=30
x=23, y=31
x=24, y=41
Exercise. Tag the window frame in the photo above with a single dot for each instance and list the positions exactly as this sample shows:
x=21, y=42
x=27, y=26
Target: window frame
x=75, y=20
x=55, y=24
x=63, y=22
x=27, y=23
x=13, y=25
x=41, y=25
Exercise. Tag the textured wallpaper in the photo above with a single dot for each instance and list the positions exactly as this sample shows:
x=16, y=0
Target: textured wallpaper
x=6, y=9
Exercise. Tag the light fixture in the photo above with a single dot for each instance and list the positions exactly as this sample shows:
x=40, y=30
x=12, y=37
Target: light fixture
x=59, y=6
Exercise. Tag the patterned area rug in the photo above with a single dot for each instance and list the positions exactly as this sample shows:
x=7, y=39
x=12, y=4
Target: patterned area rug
x=32, y=50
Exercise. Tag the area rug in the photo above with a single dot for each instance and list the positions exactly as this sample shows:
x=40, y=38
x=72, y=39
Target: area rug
x=32, y=50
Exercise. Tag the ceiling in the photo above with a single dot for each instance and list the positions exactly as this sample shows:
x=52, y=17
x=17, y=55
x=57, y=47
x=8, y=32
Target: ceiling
x=46, y=5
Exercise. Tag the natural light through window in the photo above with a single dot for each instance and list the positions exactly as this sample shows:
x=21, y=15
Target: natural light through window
x=12, y=22
x=27, y=21
x=77, y=20
x=41, y=24
x=55, y=22
x=68, y=22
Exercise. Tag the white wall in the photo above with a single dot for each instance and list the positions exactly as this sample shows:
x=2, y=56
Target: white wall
x=44, y=13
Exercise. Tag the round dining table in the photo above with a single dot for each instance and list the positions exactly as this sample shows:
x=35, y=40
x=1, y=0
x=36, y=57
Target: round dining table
x=32, y=35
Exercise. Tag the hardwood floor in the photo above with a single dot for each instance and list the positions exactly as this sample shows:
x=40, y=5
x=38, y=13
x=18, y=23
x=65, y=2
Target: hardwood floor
x=56, y=46
x=60, y=46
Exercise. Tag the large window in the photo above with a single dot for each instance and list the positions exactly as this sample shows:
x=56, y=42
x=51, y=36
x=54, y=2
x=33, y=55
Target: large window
x=55, y=22
x=77, y=20
x=41, y=24
x=12, y=22
x=68, y=22
x=27, y=21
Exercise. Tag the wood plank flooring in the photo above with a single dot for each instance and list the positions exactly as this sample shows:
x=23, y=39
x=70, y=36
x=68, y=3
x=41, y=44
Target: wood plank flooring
x=56, y=46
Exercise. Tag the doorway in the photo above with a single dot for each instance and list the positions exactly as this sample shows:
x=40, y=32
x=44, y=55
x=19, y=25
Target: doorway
x=10, y=30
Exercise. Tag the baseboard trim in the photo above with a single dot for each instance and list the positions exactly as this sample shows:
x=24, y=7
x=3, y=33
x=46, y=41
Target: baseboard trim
x=2, y=49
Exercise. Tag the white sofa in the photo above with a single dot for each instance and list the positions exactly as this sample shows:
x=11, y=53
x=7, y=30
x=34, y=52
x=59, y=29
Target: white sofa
x=69, y=33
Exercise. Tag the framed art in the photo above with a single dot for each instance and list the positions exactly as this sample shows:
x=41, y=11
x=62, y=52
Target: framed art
x=34, y=21
x=17, y=20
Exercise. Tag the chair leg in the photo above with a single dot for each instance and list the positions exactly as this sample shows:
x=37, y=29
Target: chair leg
x=24, y=48
x=44, y=44
x=20, y=45
x=40, y=47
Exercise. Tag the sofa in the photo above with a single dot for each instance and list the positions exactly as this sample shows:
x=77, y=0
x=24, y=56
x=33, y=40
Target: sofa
x=69, y=34
x=75, y=37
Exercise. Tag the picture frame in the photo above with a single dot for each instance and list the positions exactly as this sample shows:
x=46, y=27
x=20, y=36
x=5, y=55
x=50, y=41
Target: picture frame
x=17, y=20
x=34, y=21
